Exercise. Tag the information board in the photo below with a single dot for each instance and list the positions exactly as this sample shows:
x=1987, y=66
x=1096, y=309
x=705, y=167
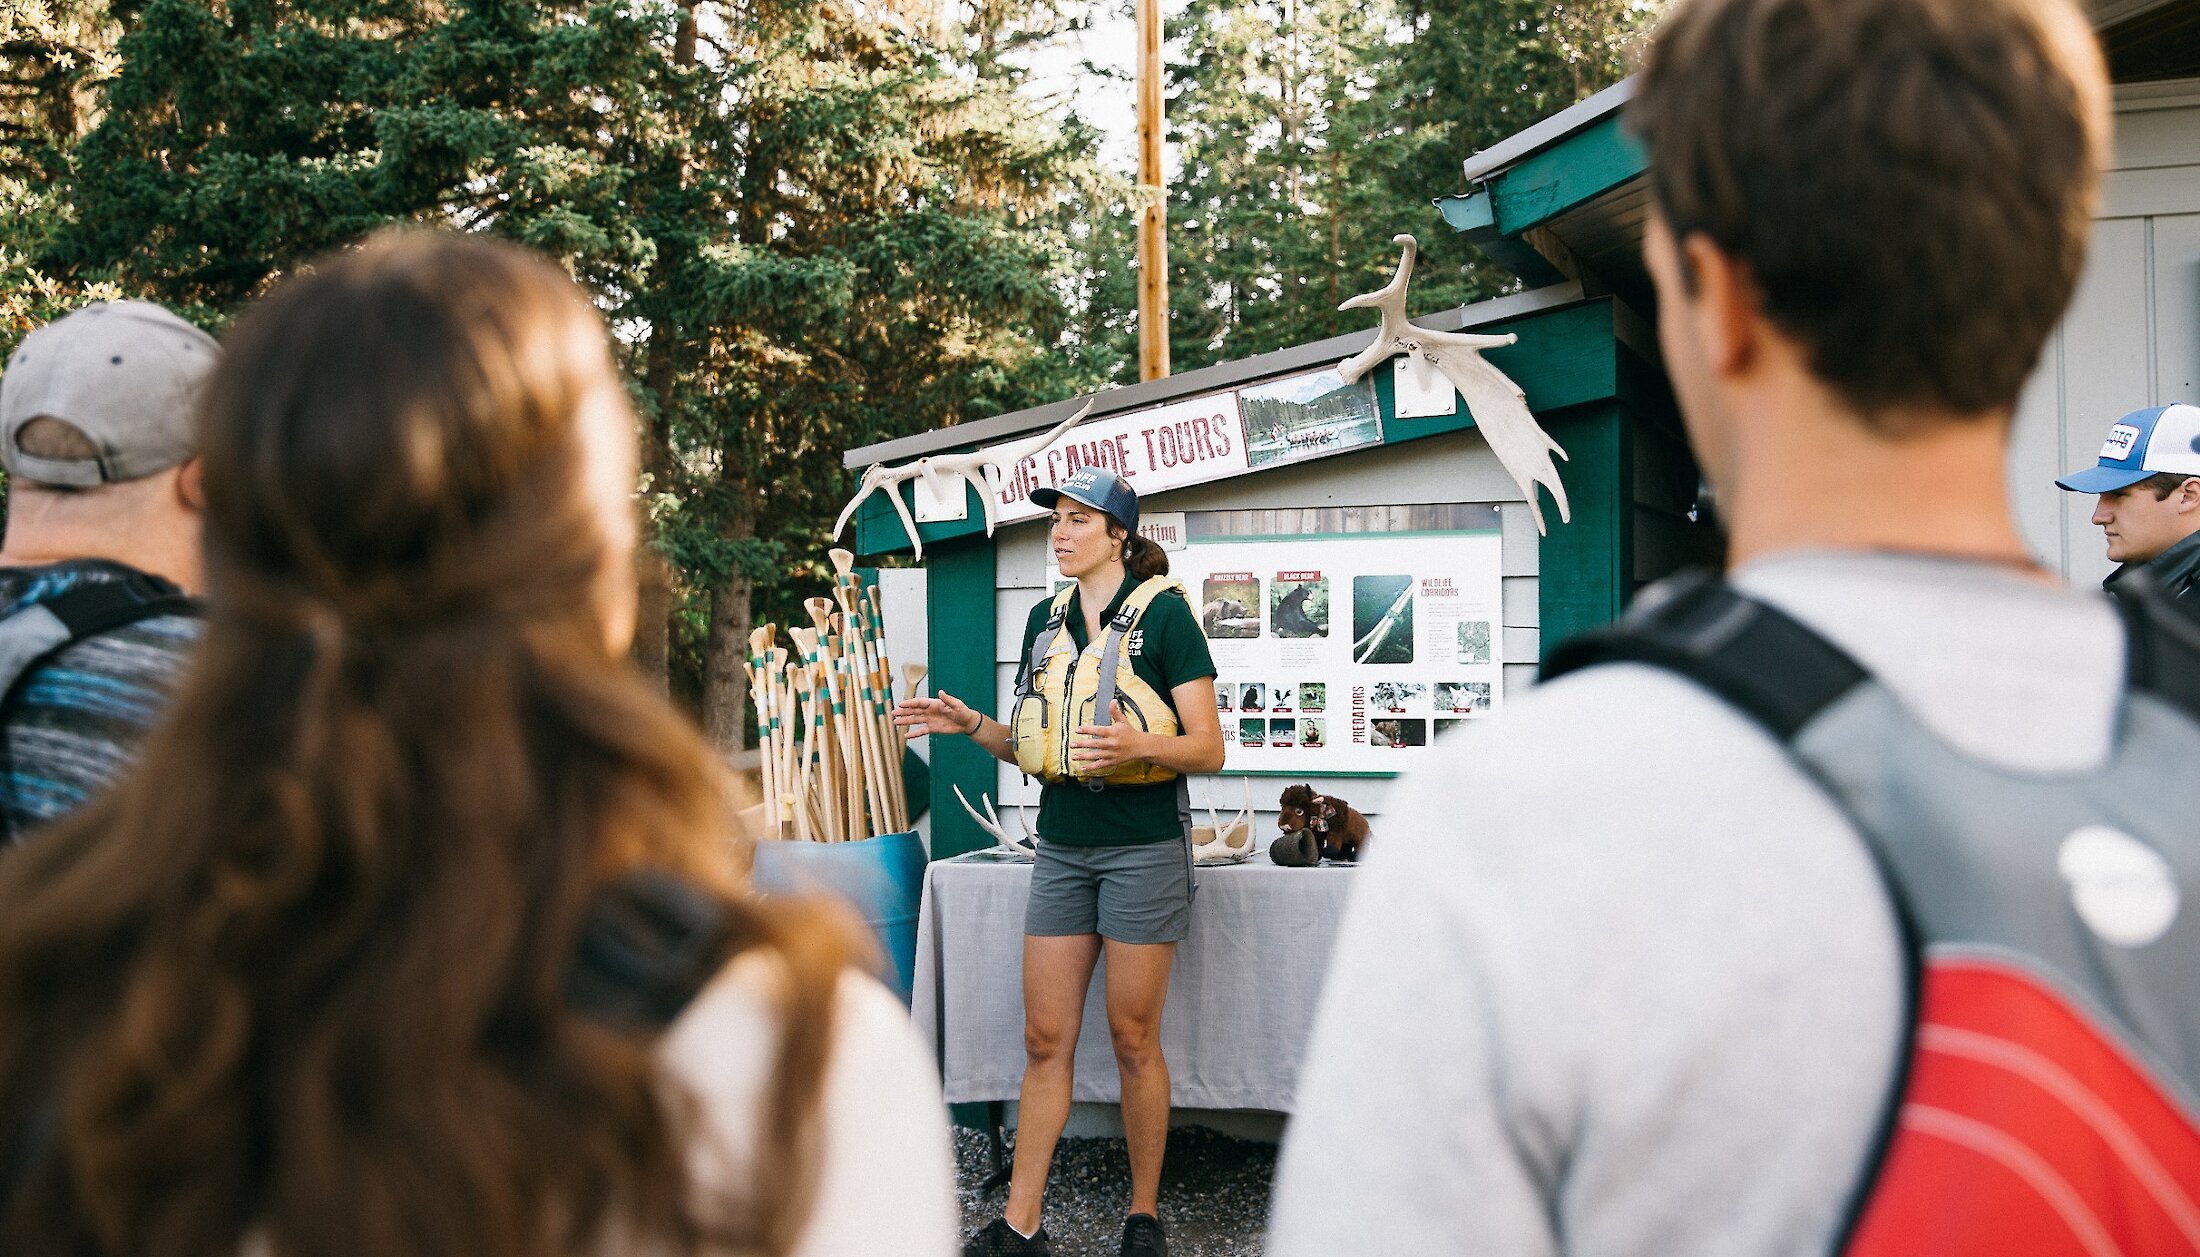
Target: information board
x=1352, y=652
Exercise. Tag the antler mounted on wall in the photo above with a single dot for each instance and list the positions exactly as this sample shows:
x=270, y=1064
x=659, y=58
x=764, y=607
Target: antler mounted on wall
x=1499, y=407
x=945, y=473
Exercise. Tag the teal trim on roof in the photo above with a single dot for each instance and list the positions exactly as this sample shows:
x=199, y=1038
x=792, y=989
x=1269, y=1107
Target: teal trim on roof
x=1540, y=188
x=1474, y=212
x=1574, y=172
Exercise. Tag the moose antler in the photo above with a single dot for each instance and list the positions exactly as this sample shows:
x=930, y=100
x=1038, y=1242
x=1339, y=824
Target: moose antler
x=981, y=470
x=1498, y=406
x=991, y=822
x=1226, y=843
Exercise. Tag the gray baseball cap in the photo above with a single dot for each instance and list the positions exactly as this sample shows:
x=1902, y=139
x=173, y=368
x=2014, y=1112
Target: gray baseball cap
x=126, y=374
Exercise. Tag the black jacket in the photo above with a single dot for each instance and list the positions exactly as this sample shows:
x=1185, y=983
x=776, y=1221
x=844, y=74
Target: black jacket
x=2175, y=571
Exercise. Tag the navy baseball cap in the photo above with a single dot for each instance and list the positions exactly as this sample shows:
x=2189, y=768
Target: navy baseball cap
x=1097, y=488
x=2143, y=443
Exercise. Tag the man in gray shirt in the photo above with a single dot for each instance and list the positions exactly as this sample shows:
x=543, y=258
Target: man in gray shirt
x=1645, y=995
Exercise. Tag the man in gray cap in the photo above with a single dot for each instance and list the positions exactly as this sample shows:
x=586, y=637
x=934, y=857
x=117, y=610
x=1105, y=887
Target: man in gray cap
x=101, y=552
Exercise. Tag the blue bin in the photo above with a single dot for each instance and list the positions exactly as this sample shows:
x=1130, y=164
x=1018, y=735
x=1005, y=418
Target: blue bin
x=881, y=878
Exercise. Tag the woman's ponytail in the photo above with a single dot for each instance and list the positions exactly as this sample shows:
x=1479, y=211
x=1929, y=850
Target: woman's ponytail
x=1144, y=558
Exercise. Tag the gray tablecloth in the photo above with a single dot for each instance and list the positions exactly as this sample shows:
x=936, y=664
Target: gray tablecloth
x=1241, y=1000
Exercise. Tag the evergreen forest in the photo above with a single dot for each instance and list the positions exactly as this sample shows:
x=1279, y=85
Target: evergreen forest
x=812, y=224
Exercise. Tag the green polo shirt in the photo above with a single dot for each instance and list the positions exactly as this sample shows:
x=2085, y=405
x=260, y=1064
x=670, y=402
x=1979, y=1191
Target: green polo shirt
x=1167, y=649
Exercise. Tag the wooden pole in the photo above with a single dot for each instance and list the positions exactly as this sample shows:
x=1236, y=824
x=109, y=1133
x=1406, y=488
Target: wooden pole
x=847, y=728
x=882, y=685
x=761, y=692
x=866, y=636
x=796, y=800
x=1153, y=245
x=821, y=753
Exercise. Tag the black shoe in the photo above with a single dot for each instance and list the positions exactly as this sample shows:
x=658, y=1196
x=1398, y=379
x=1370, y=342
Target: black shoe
x=999, y=1239
x=1142, y=1237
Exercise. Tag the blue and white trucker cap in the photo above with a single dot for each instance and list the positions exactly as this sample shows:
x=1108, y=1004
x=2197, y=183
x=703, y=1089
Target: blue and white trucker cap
x=2143, y=443
x=1097, y=488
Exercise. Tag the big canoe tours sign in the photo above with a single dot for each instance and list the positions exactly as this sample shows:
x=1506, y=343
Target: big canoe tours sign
x=1199, y=440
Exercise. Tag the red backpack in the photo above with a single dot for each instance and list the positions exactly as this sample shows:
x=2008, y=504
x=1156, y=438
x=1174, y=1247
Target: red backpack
x=2045, y=1105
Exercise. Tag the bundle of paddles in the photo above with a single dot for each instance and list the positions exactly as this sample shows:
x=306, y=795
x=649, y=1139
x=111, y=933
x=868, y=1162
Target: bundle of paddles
x=831, y=757
x=1316, y=827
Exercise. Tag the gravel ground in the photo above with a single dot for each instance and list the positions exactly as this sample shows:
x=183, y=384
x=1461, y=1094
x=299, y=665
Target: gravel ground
x=1214, y=1193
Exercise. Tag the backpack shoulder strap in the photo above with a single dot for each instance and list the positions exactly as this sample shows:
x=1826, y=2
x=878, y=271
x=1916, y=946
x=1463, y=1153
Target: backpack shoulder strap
x=104, y=606
x=2162, y=642
x=82, y=611
x=34, y=635
x=1757, y=658
x=30, y=638
x=650, y=944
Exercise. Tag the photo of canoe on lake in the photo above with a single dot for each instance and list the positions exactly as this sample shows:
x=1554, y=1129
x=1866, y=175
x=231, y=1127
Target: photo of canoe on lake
x=1307, y=416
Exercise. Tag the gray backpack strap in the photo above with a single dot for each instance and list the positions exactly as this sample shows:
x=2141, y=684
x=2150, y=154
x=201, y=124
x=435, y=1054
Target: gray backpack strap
x=650, y=943
x=1756, y=657
x=29, y=636
x=1184, y=821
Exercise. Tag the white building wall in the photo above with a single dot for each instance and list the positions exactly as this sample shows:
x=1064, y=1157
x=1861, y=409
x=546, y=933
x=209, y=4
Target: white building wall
x=2132, y=337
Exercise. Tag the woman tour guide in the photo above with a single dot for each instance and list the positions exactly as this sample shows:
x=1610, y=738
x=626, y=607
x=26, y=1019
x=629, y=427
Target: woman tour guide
x=1115, y=706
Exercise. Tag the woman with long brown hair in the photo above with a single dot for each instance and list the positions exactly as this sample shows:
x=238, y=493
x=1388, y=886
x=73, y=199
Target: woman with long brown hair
x=417, y=931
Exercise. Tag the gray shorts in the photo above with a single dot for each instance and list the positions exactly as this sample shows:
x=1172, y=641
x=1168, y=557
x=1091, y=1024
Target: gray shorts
x=1140, y=894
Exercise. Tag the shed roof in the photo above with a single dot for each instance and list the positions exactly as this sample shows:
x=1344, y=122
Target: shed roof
x=1521, y=144
x=1566, y=199
x=1222, y=375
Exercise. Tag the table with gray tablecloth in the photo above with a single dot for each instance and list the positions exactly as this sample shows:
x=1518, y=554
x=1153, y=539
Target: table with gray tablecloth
x=1241, y=999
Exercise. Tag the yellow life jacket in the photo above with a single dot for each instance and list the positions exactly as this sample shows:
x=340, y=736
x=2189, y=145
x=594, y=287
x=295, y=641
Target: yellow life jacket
x=1063, y=688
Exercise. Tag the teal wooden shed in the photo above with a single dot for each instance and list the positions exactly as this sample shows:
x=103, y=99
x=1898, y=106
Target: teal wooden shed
x=1560, y=205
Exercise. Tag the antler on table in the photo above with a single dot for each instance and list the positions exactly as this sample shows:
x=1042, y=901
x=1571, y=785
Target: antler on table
x=990, y=822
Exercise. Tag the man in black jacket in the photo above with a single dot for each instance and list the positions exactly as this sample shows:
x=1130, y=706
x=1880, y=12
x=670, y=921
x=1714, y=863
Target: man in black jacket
x=2148, y=479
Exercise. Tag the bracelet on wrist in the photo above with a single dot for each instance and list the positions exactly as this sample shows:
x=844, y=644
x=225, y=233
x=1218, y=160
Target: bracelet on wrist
x=975, y=725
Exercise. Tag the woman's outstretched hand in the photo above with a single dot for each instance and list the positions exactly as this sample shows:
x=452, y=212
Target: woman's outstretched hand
x=942, y=713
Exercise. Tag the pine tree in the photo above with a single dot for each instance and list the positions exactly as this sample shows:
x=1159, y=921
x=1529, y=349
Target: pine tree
x=1474, y=72
x=811, y=228
x=1311, y=131
x=54, y=55
x=1265, y=238
x=882, y=275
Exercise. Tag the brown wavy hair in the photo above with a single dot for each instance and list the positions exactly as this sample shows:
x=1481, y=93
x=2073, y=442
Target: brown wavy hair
x=301, y=975
x=1909, y=183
